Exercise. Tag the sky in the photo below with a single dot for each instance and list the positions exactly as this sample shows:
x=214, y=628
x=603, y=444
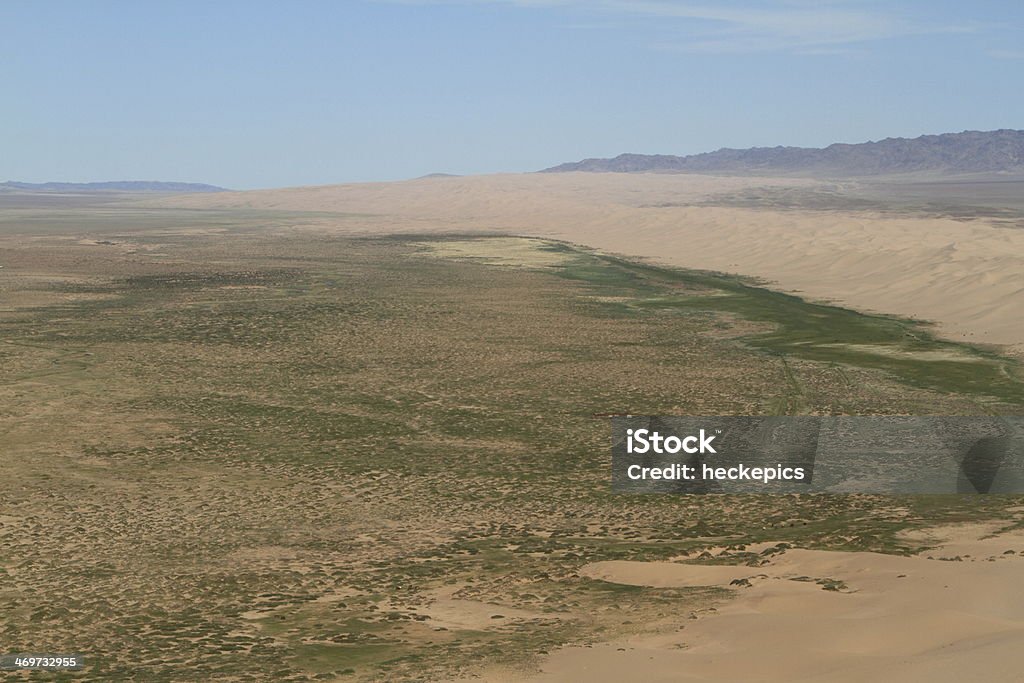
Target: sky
x=251, y=94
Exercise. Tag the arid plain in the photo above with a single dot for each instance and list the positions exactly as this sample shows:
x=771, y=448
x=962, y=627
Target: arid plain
x=353, y=432
x=947, y=252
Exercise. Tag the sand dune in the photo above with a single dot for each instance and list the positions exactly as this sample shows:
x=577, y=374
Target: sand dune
x=968, y=276
x=896, y=619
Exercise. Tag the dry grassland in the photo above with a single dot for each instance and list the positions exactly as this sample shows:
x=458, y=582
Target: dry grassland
x=231, y=451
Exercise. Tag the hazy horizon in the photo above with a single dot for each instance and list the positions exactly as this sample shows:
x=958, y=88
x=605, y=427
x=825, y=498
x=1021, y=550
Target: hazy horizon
x=253, y=95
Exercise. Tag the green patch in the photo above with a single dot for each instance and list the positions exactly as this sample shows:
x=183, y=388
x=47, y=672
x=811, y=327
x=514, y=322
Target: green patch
x=801, y=329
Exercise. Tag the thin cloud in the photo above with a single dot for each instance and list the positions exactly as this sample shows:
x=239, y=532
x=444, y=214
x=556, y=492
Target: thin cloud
x=751, y=26
x=1006, y=54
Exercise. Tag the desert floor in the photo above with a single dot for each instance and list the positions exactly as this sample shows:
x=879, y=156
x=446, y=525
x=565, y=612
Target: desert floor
x=952, y=613
x=342, y=442
x=952, y=253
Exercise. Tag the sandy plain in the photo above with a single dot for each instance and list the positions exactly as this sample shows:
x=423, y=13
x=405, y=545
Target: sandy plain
x=901, y=618
x=951, y=613
x=953, y=263
x=220, y=368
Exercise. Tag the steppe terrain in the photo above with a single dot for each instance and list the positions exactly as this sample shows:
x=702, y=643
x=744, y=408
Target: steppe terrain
x=356, y=433
x=948, y=254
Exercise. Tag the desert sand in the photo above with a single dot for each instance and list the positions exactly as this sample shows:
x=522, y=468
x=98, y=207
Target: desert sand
x=965, y=275
x=952, y=613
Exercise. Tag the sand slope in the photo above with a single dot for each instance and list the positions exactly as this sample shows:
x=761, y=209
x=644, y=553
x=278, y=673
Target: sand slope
x=966, y=275
x=898, y=619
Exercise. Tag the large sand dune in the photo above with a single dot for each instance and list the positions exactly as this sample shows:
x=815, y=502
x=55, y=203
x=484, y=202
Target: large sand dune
x=966, y=275
x=954, y=613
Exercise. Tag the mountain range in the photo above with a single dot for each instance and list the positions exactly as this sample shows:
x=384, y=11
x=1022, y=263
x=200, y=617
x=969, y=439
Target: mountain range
x=997, y=151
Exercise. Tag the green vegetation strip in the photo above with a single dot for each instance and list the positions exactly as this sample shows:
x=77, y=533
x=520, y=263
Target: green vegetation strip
x=799, y=328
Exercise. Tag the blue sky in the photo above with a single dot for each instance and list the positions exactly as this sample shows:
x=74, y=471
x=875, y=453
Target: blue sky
x=266, y=94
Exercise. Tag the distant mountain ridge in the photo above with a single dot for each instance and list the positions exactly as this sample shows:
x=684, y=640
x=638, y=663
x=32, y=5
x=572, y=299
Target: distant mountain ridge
x=112, y=186
x=997, y=151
